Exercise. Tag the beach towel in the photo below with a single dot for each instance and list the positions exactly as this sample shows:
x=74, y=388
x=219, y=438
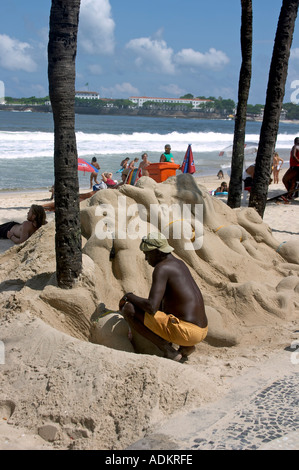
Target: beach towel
x=133, y=176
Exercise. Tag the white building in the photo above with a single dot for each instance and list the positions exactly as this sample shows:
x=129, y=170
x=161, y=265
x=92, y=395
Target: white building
x=87, y=95
x=196, y=102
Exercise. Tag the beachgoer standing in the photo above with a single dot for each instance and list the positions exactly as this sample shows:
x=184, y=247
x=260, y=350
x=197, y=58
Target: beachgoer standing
x=174, y=311
x=130, y=167
x=144, y=164
x=292, y=174
x=18, y=233
x=132, y=163
x=167, y=156
x=124, y=163
x=94, y=174
x=276, y=165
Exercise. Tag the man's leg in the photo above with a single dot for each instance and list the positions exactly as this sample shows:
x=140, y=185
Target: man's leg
x=186, y=350
x=288, y=178
x=135, y=318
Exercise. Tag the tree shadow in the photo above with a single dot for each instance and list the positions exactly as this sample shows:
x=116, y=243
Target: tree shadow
x=37, y=282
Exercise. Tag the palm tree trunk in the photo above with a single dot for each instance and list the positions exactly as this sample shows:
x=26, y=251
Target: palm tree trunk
x=275, y=94
x=235, y=185
x=62, y=47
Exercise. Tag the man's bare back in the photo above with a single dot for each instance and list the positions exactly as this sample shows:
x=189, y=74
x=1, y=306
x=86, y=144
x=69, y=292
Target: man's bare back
x=182, y=297
x=174, y=311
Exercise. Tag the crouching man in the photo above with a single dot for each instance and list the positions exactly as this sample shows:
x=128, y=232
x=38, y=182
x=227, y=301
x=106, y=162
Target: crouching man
x=174, y=311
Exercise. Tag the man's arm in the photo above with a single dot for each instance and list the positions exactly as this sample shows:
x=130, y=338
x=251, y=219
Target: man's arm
x=13, y=238
x=25, y=231
x=157, y=291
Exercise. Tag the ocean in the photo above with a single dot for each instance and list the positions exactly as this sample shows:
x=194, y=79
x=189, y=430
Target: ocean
x=27, y=142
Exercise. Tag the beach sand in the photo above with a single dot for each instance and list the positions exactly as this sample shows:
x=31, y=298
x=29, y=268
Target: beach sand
x=70, y=378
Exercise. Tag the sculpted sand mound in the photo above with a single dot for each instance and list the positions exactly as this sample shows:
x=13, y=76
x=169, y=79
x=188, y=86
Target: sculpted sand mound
x=79, y=394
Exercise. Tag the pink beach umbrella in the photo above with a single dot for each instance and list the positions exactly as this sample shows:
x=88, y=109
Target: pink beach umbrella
x=86, y=166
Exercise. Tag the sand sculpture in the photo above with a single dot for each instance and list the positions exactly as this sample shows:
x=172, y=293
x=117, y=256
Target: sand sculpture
x=248, y=279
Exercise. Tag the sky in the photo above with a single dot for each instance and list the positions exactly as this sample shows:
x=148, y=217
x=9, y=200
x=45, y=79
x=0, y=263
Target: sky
x=156, y=48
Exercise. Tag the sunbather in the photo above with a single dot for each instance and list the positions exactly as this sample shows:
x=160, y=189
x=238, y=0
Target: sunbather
x=20, y=232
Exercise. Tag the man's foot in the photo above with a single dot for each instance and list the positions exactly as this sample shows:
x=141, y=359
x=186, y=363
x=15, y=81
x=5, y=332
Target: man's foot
x=171, y=353
x=186, y=350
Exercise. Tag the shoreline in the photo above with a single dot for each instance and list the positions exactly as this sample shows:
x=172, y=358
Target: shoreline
x=192, y=114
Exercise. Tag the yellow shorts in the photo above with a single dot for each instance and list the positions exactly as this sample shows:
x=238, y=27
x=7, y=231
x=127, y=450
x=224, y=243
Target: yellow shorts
x=174, y=330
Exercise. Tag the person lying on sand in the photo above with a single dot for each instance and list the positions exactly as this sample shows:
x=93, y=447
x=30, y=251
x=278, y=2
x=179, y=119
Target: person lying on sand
x=18, y=233
x=107, y=178
x=174, y=312
x=223, y=188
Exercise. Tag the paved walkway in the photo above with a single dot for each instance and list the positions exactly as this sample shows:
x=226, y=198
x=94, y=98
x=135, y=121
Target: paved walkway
x=261, y=412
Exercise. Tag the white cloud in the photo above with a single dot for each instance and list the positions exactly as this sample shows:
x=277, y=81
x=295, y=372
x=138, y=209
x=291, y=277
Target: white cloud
x=173, y=90
x=152, y=54
x=212, y=59
x=15, y=55
x=120, y=90
x=295, y=53
x=96, y=27
x=95, y=69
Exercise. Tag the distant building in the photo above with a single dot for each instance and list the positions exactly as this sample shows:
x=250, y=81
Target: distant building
x=87, y=95
x=196, y=102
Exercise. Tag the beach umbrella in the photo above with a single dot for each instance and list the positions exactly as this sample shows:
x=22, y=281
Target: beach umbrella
x=86, y=166
x=250, y=148
x=188, y=163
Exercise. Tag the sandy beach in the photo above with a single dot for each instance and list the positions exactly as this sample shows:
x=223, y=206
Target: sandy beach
x=70, y=376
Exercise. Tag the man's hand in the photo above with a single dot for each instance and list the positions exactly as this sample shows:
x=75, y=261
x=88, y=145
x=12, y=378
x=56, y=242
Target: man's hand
x=123, y=300
x=121, y=303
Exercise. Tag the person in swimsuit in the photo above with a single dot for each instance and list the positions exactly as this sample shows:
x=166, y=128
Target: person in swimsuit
x=107, y=178
x=18, y=233
x=174, y=311
x=223, y=188
x=276, y=167
x=124, y=163
x=144, y=164
x=94, y=174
